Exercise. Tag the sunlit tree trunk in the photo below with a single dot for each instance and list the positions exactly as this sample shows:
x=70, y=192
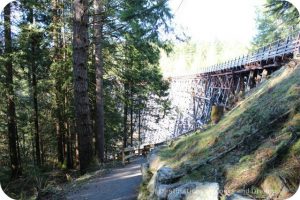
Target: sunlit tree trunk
x=131, y=115
x=125, y=115
x=81, y=100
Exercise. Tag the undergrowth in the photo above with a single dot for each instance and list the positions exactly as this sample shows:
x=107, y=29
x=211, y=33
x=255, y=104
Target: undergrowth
x=270, y=113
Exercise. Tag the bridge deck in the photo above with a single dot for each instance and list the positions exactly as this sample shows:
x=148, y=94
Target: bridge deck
x=279, y=48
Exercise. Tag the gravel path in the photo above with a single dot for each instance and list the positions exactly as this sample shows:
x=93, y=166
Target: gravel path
x=119, y=184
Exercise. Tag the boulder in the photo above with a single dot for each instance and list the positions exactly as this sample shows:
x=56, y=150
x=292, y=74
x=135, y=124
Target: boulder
x=167, y=175
x=188, y=167
x=195, y=191
x=162, y=190
x=237, y=197
x=155, y=161
x=152, y=185
x=161, y=180
x=145, y=171
x=273, y=186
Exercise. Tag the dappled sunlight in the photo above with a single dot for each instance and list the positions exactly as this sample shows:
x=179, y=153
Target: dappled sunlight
x=93, y=88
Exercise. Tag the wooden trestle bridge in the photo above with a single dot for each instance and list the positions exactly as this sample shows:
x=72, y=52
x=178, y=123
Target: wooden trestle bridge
x=220, y=85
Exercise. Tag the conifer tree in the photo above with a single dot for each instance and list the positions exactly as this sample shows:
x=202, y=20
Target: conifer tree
x=11, y=109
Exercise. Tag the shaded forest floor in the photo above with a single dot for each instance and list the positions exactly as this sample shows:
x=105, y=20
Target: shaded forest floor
x=254, y=149
x=49, y=183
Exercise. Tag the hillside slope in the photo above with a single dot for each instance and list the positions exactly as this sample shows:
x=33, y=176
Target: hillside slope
x=254, y=150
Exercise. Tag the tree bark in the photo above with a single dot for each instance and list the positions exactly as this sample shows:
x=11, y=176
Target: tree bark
x=125, y=128
x=11, y=110
x=125, y=125
x=98, y=27
x=34, y=83
x=58, y=88
x=81, y=100
x=60, y=155
x=69, y=147
x=139, y=130
x=36, y=112
x=131, y=124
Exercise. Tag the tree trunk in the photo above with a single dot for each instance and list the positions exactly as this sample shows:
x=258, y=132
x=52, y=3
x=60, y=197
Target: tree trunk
x=11, y=110
x=58, y=86
x=34, y=93
x=81, y=100
x=36, y=111
x=98, y=27
x=125, y=125
x=131, y=124
x=139, y=130
x=74, y=146
x=125, y=115
x=60, y=155
x=69, y=147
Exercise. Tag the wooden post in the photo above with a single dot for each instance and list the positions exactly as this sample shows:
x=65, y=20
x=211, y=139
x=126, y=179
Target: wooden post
x=250, y=80
x=238, y=86
x=123, y=156
x=297, y=48
x=194, y=109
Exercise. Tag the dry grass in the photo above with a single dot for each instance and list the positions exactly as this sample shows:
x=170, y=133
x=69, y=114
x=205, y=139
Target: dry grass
x=246, y=166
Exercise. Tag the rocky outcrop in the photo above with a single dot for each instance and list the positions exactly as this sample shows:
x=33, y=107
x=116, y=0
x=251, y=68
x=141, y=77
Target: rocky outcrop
x=146, y=174
x=195, y=191
x=152, y=185
x=164, y=183
x=166, y=175
x=162, y=190
x=155, y=161
x=237, y=197
x=161, y=182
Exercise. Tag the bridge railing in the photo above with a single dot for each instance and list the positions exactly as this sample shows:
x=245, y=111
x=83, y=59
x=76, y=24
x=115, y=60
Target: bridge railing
x=278, y=48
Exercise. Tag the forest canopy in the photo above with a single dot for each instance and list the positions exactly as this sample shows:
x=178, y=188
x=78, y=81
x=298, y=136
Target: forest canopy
x=80, y=77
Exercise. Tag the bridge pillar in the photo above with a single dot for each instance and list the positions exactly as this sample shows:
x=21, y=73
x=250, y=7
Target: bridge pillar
x=264, y=75
x=251, y=80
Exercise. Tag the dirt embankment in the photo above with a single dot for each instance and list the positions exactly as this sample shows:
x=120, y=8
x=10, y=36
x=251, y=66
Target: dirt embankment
x=254, y=150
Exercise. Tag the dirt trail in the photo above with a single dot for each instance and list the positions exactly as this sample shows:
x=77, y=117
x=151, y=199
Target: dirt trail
x=119, y=184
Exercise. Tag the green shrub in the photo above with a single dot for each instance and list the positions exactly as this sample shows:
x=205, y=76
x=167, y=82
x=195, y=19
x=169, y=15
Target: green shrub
x=216, y=113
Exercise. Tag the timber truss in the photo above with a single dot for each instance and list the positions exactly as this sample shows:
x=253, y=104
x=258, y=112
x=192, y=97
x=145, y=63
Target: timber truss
x=193, y=96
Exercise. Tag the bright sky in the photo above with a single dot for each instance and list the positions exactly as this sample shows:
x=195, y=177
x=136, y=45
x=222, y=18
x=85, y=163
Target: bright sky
x=230, y=20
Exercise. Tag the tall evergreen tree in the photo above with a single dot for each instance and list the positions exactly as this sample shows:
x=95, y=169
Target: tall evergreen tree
x=276, y=20
x=11, y=109
x=80, y=56
x=98, y=37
